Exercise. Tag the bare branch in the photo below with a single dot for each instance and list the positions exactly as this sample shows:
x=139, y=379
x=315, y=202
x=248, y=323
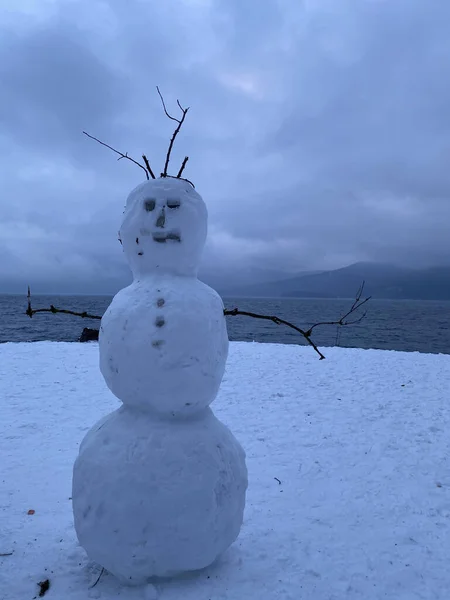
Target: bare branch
x=183, y=164
x=54, y=310
x=234, y=312
x=164, y=106
x=182, y=179
x=342, y=321
x=149, y=169
x=121, y=155
x=175, y=133
x=32, y=311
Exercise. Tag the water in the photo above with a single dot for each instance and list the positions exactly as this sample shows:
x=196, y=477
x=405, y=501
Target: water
x=390, y=324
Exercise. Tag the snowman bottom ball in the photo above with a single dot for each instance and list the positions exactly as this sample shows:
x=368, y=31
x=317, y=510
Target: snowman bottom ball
x=157, y=498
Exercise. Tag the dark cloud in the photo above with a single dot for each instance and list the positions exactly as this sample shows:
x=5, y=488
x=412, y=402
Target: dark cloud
x=318, y=132
x=53, y=84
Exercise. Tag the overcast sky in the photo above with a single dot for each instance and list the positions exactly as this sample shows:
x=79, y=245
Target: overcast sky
x=318, y=135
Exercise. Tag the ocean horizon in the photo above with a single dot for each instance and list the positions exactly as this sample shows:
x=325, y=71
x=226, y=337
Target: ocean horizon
x=402, y=325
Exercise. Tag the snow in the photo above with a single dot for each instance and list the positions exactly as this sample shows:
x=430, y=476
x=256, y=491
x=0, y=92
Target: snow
x=168, y=357
x=164, y=227
x=163, y=339
x=175, y=512
x=159, y=486
x=359, y=443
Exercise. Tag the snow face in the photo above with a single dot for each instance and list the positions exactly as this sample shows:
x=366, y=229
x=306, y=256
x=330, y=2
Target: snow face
x=164, y=228
x=164, y=345
x=158, y=498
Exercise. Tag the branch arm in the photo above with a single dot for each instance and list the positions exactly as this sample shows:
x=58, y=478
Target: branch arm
x=235, y=312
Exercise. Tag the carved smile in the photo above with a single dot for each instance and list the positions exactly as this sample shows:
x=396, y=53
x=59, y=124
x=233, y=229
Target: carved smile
x=162, y=236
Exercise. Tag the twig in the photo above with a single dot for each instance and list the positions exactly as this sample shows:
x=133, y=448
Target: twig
x=6, y=553
x=149, y=169
x=45, y=586
x=355, y=306
x=54, y=310
x=276, y=479
x=122, y=155
x=182, y=179
x=32, y=311
x=164, y=106
x=98, y=578
x=234, y=312
x=175, y=133
x=146, y=166
x=183, y=164
x=307, y=333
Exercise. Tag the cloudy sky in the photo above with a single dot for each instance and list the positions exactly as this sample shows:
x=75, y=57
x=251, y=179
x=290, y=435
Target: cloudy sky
x=318, y=135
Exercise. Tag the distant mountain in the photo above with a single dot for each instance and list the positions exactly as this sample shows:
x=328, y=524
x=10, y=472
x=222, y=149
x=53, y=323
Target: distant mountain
x=381, y=281
x=234, y=278
x=275, y=287
x=427, y=284
x=222, y=278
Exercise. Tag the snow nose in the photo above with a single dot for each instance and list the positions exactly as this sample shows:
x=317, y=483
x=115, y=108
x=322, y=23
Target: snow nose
x=161, y=220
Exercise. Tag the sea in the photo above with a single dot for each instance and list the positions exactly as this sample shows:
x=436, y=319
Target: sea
x=404, y=325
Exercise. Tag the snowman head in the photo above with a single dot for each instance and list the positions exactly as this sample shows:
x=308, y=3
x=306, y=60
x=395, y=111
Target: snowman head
x=164, y=227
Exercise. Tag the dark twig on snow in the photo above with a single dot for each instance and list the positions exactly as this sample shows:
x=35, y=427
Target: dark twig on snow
x=98, y=578
x=276, y=479
x=234, y=312
x=44, y=587
x=6, y=553
x=175, y=133
x=148, y=172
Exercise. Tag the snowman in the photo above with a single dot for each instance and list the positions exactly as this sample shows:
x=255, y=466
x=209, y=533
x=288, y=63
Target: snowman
x=159, y=485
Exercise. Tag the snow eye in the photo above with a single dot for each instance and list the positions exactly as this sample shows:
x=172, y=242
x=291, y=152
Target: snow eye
x=149, y=205
x=173, y=203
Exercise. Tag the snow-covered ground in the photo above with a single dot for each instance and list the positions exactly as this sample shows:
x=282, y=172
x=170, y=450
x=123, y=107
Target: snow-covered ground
x=349, y=475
